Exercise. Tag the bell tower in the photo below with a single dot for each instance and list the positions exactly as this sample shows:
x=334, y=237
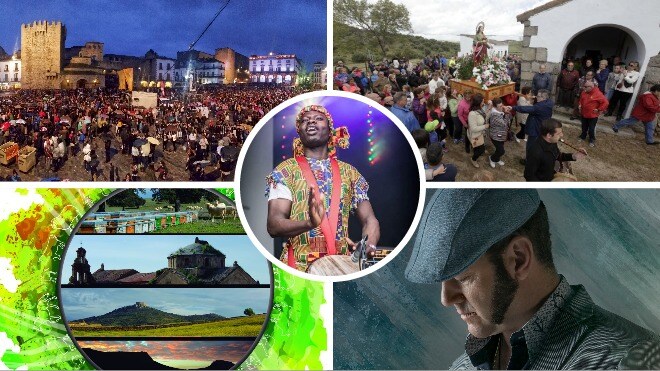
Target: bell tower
x=80, y=270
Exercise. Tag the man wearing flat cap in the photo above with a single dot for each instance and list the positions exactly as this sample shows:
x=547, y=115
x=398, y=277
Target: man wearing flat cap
x=311, y=195
x=491, y=251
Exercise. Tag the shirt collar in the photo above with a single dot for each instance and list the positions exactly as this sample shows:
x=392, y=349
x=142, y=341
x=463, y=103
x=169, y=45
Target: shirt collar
x=532, y=333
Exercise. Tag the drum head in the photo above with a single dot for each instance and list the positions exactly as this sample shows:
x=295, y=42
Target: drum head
x=332, y=265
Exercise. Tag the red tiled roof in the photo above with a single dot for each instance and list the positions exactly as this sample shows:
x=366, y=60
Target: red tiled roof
x=138, y=278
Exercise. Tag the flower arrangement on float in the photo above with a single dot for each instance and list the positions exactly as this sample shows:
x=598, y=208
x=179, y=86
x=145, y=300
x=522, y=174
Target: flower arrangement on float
x=489, y=73
x=489, y=77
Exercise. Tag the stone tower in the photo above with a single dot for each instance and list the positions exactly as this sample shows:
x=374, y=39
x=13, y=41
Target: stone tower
x=228, y=57
x=42, y=54
x=93, y=50
x=80, y=270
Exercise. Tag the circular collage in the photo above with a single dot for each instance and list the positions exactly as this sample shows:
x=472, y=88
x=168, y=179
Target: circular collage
x=320, y=185
x=164, y=278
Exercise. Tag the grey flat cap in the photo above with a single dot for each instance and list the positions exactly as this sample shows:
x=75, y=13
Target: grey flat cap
x=459, y=225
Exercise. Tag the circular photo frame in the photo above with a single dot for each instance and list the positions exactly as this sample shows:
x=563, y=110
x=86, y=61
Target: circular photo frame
x=146, y=275
x=283, y=164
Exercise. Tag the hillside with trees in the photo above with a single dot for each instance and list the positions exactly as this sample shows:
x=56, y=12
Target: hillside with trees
x=142, y=315
x=364, y=30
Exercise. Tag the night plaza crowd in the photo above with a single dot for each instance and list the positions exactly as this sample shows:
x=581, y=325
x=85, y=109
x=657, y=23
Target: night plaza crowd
x=201, y=131
x=420, y=96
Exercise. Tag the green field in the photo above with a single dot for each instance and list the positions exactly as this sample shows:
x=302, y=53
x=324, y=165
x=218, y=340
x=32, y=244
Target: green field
x=238, y=326
x=205, y=226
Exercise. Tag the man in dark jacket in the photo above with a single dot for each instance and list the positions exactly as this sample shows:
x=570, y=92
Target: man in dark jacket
x=567, y=82
x=539, y=112
x=541, y=80
x=541, y=157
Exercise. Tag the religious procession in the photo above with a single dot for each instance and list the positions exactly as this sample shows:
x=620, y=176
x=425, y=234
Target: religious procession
x=487, y=109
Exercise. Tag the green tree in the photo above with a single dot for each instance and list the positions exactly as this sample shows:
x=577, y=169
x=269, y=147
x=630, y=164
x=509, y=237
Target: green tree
x=127, y=198
x=381, y=20
x=182, y=196
x=185, y=196
x=248, y=312
x=305, y=78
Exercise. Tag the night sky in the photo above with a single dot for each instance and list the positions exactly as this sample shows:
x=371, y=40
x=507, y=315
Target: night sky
x=167, y=26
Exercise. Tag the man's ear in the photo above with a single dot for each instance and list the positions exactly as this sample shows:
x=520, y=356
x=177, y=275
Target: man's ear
x=518, y=257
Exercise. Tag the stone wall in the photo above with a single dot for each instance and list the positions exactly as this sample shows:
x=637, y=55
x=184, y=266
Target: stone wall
x=42, y=53
x=532, y=58
x=652, y=75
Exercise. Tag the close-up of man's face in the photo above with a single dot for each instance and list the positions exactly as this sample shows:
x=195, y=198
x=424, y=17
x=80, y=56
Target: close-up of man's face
x=554, y=138
x=481, y=295
x=314, y=130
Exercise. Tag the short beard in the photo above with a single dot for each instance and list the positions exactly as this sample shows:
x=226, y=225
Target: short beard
x=504, y=290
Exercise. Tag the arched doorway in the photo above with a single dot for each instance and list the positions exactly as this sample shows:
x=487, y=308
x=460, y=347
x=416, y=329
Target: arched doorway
x=81, y=84
x=605, y=42
x=279, y=79
x=287, y=79
x=270, y=78
x=262, y=78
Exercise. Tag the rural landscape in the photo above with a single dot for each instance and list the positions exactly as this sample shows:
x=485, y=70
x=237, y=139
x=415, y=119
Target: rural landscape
x=141, y=320
x=206, y=212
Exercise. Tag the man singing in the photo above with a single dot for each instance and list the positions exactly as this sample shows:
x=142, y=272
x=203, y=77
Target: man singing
x=311, y=195
x=491, y=250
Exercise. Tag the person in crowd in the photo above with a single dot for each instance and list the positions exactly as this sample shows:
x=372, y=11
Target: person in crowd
x=537, y=113
x=587, y=66
x=419, y=105
x=541, y=80
x=591, y=105
x=498, y=130
x=477, y=126
x=402, y=113
x=525, y=99
x=434, y=155
x=624, y=90
x=567, y=83
x=646, y=109
x=541, y=157
x=453, y=99
x=602, y=74
x=588, y=77
x=613, y=80
x=463, y=112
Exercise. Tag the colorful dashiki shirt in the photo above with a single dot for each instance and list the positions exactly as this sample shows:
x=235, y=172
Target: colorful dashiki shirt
x=311, y=245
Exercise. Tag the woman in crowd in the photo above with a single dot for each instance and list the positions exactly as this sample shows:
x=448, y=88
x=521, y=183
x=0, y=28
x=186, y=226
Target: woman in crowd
x=452, y=101
x=477, y=125
x=498, y=130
